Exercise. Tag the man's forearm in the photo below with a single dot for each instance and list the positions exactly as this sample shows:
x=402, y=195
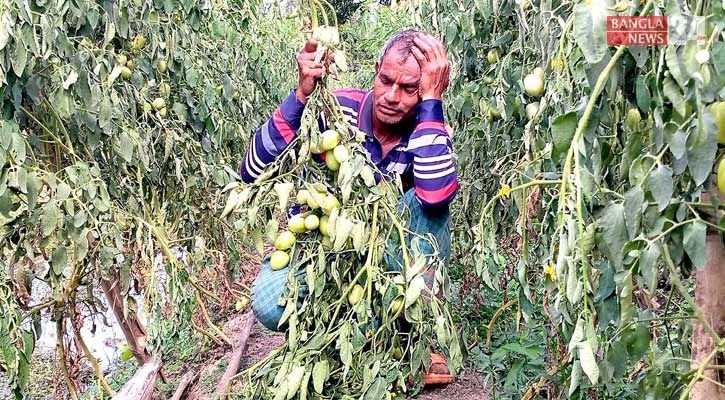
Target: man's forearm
x=272, y=138
x=435, y=176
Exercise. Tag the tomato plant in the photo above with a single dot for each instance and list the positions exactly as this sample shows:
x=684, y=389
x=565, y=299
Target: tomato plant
x=603, y=186
x=120, y=123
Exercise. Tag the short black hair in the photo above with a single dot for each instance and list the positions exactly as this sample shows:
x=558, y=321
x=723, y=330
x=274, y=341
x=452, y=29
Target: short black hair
x=402, y=42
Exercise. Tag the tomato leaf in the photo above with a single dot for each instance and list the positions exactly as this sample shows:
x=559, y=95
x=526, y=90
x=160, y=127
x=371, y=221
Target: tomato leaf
x=590, y=29
x=414, y=289
x=694, y=243
x=320, y=373
x=588, y=362
x=59, y=260
x=633, y=201
x=648, y=266
x=562, y=130
x=660, y=185
x=376, y=390
x=614, y=233
x=701, y=150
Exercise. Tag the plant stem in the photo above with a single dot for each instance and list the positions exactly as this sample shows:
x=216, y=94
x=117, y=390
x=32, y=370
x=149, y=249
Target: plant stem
x=540, y=182
x=699, y=373
x=678, y=283
x=198, y=287
x=675, y=226
x=41, y=307
x=209, y=322
x=91, y=358
x=251, y=369
x=342, y=299
x=48, y=131
x=63, y=359
x=584, y=121
x=371, y=247
x=401, y=232
x=494, y=318
x=205, y=333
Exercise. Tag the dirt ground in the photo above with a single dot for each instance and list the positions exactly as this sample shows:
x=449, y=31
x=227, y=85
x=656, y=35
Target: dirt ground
x=469, y=386
x=262, y=341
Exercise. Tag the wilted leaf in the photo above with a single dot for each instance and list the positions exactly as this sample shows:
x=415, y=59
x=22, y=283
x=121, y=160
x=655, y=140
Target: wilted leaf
x=648, y=266
x=614, y=233
x=49, y=219
x=633, y=201
x=590, y=29
x=414, y=289
x=588, y=362
x=59, y=259
x=660, y=185
x=701, y=150
x=320, y=373
x=562, y=130
x=693, y=241
x=376, y=391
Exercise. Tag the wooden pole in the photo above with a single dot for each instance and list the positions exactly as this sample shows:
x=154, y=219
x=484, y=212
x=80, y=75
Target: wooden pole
x=710, y=298
x=141, y=385
x=236, y=357
x=184, y=384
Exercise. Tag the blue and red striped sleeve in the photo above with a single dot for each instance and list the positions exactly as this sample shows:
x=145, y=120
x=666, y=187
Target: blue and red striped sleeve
x=434, y=174
x=272, y=138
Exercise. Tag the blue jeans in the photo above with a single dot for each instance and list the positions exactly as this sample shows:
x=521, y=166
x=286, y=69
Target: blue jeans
x=270, y=284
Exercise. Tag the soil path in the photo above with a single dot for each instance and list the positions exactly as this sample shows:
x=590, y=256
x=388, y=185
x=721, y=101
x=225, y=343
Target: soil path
x=262, y=341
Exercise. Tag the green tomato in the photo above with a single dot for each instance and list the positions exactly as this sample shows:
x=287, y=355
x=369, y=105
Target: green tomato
x=633, y=118
x=492, y=56
x=534, y=85
x=330, y=139
x=279, y=260
x=296, y=224
x=721, y=177
x=331, y=161
x=355, y=294
x=312, y=222
x=284, y=240
x=159, y=103
x=718, y=111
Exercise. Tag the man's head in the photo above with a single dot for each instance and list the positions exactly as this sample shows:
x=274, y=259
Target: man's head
x=397, y=76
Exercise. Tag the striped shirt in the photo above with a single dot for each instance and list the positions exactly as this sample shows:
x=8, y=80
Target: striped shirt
x=423, y=157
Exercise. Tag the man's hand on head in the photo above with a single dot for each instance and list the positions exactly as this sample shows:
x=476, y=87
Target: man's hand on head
x=434, y=66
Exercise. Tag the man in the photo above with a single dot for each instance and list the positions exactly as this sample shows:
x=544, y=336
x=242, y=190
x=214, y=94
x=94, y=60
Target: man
x=402, y=118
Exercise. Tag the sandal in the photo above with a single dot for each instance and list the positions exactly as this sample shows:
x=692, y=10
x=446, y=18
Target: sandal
x=432, y=378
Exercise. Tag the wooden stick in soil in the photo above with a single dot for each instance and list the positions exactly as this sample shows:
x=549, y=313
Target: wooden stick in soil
x=184, y=384
x=236, y=357
x=141, y=385
x=131, y=327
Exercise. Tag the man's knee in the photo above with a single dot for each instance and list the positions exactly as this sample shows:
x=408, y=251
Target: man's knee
x=266, y=290
x=267, y=313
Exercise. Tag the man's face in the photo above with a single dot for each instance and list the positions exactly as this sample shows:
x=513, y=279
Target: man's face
x=396, y=87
